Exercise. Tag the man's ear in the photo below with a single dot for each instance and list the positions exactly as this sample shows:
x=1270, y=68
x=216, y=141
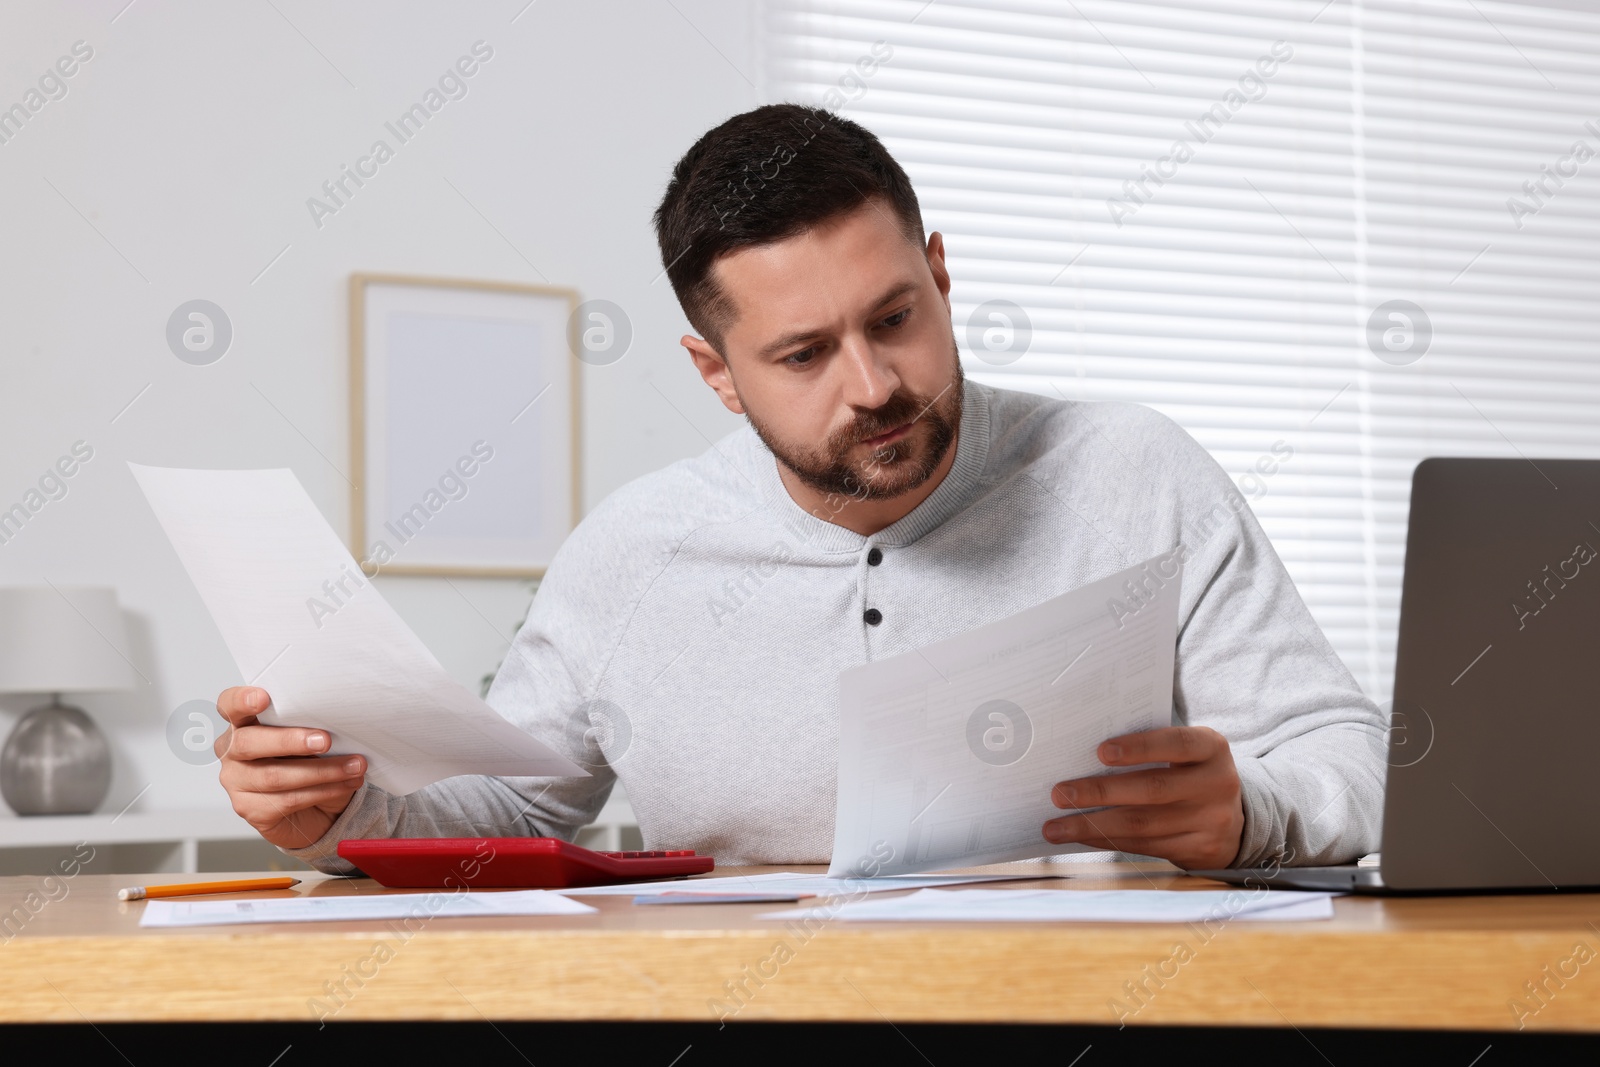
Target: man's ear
x=709, y=362
x=941, y=273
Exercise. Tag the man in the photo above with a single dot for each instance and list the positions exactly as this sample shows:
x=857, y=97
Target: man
x=687, y=637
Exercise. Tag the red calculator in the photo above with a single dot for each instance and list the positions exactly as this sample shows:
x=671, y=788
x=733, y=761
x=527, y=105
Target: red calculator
x=509, y=862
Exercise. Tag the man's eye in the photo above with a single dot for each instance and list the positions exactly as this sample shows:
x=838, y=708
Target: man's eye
x=800, y=359
x=897, y=318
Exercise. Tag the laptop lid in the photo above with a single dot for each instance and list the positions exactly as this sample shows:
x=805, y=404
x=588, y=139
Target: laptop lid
x=1496, y=717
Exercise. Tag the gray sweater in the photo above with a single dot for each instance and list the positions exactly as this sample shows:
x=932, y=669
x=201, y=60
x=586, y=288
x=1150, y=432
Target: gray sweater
x=688, y=637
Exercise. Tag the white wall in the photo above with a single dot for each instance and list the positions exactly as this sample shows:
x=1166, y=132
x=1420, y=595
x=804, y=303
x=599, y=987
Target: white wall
x=190, y=141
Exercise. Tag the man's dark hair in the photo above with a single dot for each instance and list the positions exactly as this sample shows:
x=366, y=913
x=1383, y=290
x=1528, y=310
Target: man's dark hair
x=761, y=177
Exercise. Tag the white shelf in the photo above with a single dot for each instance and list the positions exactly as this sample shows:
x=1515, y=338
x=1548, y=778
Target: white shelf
x=185, y=828
x=143, y=827
x=188, y=827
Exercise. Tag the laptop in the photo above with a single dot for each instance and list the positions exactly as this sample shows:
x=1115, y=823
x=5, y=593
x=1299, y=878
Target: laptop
x=1495, y=726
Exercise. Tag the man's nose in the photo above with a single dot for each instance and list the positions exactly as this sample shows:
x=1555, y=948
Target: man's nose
x=869, y=380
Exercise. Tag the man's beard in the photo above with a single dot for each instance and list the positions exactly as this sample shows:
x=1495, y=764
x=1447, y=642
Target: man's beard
x=892, y=470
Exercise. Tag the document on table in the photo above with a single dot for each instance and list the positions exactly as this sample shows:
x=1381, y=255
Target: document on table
x=816, y=885
x=947, y=753
x=304, y=623
x=372, y=906
x=1055, y=905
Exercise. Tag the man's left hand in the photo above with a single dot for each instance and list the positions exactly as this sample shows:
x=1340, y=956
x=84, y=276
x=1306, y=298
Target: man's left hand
x=1191, y=812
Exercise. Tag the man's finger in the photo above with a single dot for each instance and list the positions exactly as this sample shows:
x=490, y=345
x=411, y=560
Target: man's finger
x=263, y=742
x=287, y=775
x=1185, y=850
x=1156, y=785
x=265, y=810
x=241, y=704
x=1168, y=744
x=1122, y=823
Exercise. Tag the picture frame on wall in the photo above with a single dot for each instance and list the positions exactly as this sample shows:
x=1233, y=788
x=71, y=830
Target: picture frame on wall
x=464, y=425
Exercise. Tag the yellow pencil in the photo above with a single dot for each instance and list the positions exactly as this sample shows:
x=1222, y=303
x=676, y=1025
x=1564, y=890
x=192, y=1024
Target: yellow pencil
x=139, y=892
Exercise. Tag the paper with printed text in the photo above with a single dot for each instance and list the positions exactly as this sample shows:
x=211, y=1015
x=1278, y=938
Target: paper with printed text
x=1094, y=906
x=816, y=885
x=304, y=909
x=948, y=753
x=304, y=623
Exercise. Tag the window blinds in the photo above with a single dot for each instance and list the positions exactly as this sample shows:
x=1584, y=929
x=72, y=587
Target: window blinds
x=1328, y=239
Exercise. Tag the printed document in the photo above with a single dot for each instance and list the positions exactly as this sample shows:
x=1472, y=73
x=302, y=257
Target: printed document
x=1055, y=905
x=948, y=753
x=304, y=623
x=811, y=885
x=364, y=906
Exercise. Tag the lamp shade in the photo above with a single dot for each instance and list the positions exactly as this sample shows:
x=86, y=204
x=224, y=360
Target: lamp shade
x=62, y=640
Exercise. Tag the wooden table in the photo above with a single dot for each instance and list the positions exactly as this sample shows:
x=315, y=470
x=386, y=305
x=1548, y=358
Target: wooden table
x=1433, y=963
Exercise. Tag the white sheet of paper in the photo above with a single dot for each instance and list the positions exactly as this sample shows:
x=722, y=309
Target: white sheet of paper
x=305, y=624
x=375, y=906
x=1096, y=906
x=819, y=885
x=947, y=753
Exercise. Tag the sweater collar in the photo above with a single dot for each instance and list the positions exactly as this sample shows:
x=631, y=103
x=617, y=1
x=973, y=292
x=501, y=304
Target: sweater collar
x=952, y=494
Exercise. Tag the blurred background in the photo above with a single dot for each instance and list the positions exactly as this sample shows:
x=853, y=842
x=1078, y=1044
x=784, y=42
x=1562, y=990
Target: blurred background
x=1328, y=237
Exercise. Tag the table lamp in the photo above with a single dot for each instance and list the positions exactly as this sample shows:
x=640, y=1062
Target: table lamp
x=56, y=761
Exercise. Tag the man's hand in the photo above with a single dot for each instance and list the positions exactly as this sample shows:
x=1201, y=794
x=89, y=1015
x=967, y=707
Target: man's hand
x=272, y=774
x=1191, y=813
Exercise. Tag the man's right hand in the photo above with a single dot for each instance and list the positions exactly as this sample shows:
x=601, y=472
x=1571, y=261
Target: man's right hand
x=273, y=774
